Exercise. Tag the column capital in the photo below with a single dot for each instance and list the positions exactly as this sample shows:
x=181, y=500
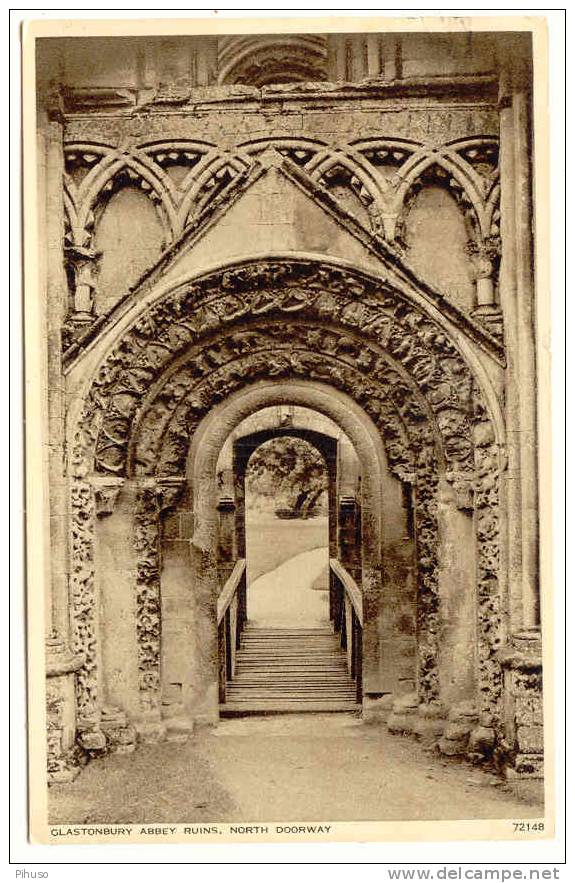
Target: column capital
x=60, y=659
x=106, y=491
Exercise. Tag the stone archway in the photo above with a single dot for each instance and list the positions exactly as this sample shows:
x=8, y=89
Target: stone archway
x=208, y=340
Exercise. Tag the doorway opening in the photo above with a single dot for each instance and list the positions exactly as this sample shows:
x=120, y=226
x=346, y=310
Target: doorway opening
x=289, y=613
x=287, y=534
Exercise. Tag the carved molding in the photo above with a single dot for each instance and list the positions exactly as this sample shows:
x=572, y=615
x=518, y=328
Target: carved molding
x=210, y=338
x=96, y=171
x=490, y=634
x=414, y=342
x=85, y=625
x=148, y=600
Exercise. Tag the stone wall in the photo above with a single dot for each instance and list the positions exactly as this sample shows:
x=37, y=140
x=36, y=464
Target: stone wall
x=197, y=202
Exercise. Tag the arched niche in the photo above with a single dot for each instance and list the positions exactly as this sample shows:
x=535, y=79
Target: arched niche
x=437, y=238
x=129, y=237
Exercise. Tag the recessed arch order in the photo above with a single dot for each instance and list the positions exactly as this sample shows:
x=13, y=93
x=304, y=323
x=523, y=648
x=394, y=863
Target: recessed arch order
x=218, y=344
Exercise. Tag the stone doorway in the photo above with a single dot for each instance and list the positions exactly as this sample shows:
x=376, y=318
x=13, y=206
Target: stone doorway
x=281, y=471
x=416, y=553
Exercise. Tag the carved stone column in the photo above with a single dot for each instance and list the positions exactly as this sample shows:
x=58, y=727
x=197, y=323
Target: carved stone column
x=485, y=256
x=114, y=560
x=152, y=498
x=64, y=757
x=517, y=300
x=82, y=266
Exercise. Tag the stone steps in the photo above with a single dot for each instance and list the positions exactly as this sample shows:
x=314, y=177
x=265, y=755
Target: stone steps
x=282, y=670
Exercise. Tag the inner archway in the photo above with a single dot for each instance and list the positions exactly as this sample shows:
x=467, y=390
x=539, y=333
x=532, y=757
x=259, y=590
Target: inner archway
x=287, y=537
x=294, y=642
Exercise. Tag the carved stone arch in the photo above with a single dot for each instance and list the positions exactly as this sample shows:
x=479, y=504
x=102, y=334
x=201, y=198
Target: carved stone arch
x=400, y=153
x=95, y=158
x=147, y=346
x=390, y=395
x=258, y=60
x=215, y=172
x=479, y=158
x=328, y=166
x=138, y=171
x=367, y=297
x=212, y=354
x=162, y=153
x=448, y=175
x=89, y=158
x=114, y=165
x=364, y=316
x=416, y=462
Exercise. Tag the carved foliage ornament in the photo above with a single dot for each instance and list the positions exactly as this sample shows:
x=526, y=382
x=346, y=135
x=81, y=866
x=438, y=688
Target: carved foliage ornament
x=148, y=603
x=169, y=330
x=425, y=366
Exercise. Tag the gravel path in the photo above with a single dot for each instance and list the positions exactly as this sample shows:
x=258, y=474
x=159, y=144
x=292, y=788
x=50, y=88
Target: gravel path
x=283, y=768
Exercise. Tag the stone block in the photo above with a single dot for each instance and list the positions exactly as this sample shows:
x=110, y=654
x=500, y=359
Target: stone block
x=530, y=739
x=482, y=740
x=93, y=740
x=453, y=747
x=150, y=731
x=464, y=712
x=456, y=731
x=428, y=729
x=377, y=709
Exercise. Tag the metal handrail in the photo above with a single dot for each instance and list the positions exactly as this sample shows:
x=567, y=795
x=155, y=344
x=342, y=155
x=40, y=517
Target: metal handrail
x=230, y=588
x=350, y=587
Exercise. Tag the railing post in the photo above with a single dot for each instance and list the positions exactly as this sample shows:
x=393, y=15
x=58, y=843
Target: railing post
x=353, y=666
x=242, y=606
x=345, y=598
x=228, y=643
x=358, y=674
x=222, y=654
x=333, y=598
x=231, y=611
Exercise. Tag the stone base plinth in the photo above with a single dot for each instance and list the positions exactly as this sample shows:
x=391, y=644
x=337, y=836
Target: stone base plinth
x=377, y=709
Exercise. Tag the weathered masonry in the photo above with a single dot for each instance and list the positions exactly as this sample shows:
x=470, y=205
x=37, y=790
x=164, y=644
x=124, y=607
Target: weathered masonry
x=339, y=224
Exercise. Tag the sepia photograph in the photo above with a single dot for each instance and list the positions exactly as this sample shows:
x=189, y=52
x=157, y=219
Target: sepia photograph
x=285, y=301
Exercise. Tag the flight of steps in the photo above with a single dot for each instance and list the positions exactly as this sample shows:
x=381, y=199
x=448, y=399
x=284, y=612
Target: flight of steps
x=282, y=670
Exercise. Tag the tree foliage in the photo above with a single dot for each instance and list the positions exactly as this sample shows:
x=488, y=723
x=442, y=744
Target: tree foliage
x=289, y=471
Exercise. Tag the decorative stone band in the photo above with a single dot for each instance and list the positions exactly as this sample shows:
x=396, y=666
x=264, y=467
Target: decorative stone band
x=84, y=602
